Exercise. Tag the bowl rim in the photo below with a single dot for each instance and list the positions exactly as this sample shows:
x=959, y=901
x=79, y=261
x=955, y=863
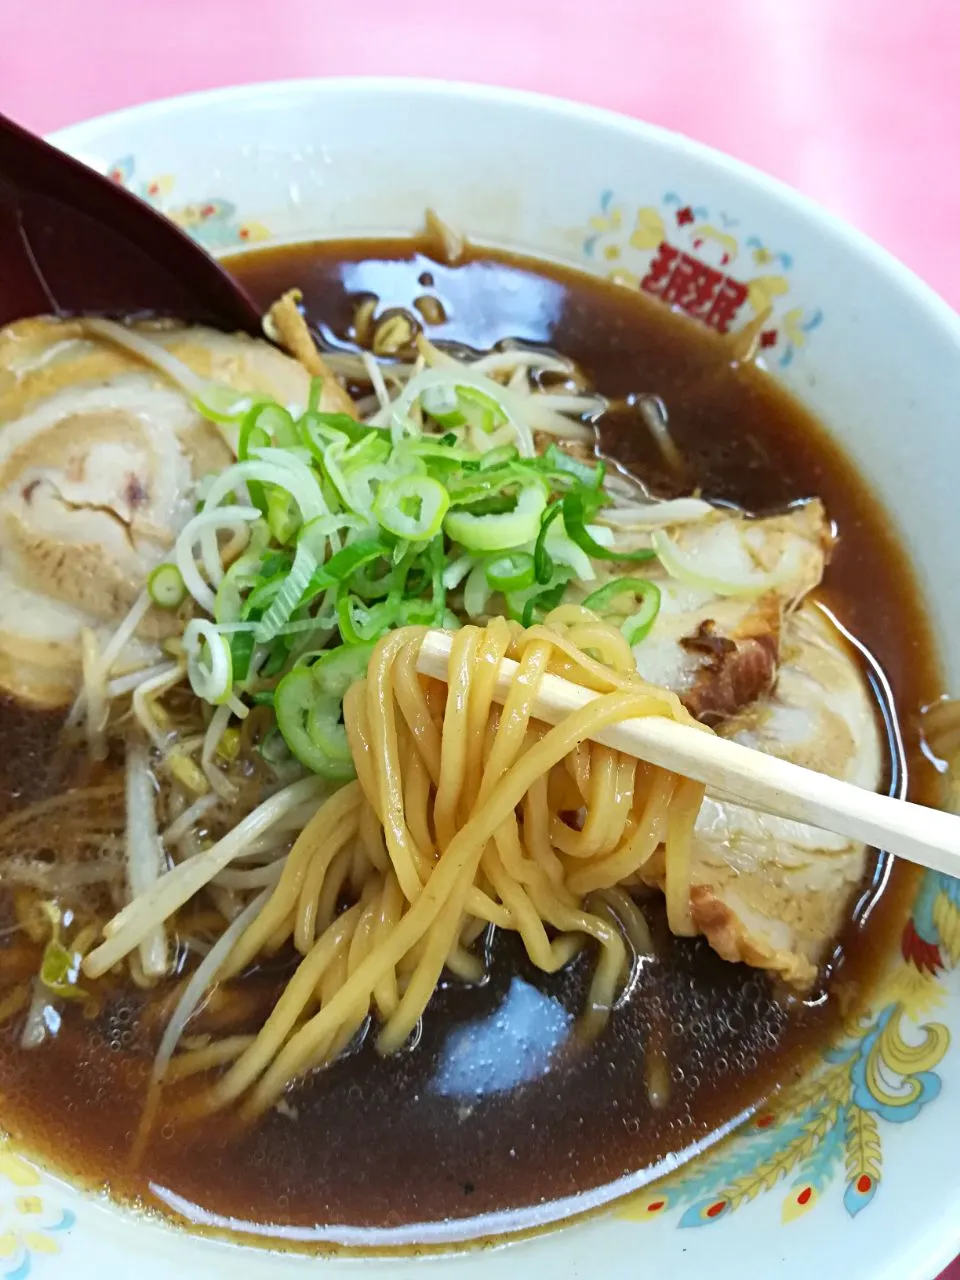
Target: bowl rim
x=72, y=136
x=925, y=1252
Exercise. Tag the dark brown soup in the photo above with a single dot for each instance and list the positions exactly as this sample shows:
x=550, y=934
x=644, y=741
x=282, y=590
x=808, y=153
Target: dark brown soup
x=500, y=1106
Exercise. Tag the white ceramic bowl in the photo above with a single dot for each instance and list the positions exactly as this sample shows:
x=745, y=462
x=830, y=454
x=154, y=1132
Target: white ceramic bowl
x=859, y=1177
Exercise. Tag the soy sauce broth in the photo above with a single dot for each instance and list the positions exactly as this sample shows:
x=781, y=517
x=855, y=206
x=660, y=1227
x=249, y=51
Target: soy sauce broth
x=500, y=1105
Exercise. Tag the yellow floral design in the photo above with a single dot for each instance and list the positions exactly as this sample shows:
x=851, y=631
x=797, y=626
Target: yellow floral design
x=831, y=1122
x=649, y=229
x=762, y=292
x=213, y=221
x=30, y=1220
x=709, y=253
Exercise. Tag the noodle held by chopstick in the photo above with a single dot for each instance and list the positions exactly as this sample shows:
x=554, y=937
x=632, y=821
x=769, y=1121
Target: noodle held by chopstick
x=460, y=818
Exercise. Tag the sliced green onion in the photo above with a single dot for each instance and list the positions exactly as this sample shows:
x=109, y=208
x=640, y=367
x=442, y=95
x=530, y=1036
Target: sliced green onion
x=326, y=731
x=318, y=436
x=402, y=551
x=476, y=592
x=637, y=626
x=212, y=519
x=556, y=459
x=601, y=600
x=252, y=436
x=60, y=969
x=314, y=425
x=358, y=624
x=209, y=661
x=480, y=410
x=346, y=562
x=500, y=532
x=364, y=484
x=457, y=570
x=479, y=486
x=439, y=449
x=266, y=424
x=693, y=567
x=307, y=726
x=542, y=560
x=287, y=599
x=221, y=403
x=337, y=669
x=242, y=575
x=542, y=602
x=272, y=466
x=373, y=581
x=283, y=519
x=462, y=405
x=512, y=571
x=438, y=592
x=418, y=613
x=412, y=507
x=317, y=533
x=372, y=449
x=503, y=454
x=330, y=464
x=276, y=660
x=574, y=519
x=264, y=593
x=241, y=651
x=442, y=403
x=166, y=587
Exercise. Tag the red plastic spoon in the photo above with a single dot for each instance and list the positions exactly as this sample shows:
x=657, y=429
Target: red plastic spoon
x=72, y=241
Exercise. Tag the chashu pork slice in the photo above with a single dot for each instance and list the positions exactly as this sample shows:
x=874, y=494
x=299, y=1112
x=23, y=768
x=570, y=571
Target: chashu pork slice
x=772, y=672
x=99, y=454
x=767, y=891
x=719, y=651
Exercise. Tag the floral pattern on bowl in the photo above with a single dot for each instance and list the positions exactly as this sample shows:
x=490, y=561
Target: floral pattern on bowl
x=829, y=1126
x=210, y=220
x=702, y=265
x=31, y=1220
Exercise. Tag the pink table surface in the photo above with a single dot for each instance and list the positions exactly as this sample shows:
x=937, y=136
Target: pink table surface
x=855, y=102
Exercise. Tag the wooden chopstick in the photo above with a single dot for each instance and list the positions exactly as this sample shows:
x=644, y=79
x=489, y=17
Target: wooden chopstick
x=925, y=836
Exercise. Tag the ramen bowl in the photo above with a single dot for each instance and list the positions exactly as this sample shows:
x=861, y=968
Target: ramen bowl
x=844, y=1172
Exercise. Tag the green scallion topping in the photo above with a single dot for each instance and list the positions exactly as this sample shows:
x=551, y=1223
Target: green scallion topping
x=165, y=586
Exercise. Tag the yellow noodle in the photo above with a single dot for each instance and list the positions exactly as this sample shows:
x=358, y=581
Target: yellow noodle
x=333, y=886
x=458, y=863
x=371, y=837
x=385, y=993
x=413, y=703
x=453, y=746
x=281, y=934
x=416, y=798
x=215, y=1054
x=295, y=998
x=284, y=897
x=463, y=964
x=311, y=906
x=382, y=717
x=454, y=824
x=680, y=820
x=640, y=844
